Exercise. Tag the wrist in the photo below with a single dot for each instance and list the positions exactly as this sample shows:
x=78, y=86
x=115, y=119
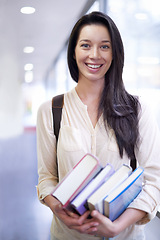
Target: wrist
x=116, y=229
x=52, y=203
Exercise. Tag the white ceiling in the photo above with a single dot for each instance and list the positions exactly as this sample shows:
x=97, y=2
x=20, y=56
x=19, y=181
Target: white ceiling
x=46, y=30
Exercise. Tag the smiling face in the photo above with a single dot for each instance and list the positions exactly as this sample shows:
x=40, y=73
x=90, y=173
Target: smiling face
x=93, y=52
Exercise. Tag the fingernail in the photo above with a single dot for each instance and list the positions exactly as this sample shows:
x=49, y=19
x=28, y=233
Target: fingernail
x=96, y=224
x=93, y=213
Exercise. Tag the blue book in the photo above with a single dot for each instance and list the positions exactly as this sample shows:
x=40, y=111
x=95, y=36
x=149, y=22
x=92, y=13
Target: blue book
x=79, y=203
x=118, y=200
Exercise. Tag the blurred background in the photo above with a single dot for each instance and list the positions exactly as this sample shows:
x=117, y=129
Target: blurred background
x=33, y=68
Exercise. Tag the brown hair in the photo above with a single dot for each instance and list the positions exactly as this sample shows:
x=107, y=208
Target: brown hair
x=120, y=109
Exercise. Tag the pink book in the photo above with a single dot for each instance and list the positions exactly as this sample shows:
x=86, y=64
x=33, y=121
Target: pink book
x=82, y=173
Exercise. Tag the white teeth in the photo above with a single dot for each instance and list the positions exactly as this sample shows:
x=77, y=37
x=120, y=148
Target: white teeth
x=93, y=66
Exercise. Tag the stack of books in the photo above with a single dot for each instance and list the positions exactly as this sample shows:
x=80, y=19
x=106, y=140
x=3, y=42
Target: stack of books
x=90, y=186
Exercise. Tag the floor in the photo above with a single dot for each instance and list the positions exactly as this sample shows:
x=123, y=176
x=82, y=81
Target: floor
x=22, y=217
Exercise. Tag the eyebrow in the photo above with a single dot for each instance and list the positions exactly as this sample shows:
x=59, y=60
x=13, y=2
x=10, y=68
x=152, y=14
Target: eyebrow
x=103, y=41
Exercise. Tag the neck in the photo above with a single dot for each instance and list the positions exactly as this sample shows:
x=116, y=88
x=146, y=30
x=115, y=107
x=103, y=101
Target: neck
x=89, y=91
x=90, y=95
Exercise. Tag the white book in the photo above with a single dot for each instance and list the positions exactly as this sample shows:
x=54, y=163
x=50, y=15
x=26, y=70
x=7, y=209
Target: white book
x=95, y=201
x=79, y=202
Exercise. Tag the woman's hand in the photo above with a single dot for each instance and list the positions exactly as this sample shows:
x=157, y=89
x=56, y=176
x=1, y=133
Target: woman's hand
x=109, y=229
x=106, y=227
x=99, y=224
x=72, y=220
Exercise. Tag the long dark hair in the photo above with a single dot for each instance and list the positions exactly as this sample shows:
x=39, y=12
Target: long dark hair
x=120, y=109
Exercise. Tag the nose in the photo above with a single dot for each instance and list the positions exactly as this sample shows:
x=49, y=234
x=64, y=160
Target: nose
x=94, y=53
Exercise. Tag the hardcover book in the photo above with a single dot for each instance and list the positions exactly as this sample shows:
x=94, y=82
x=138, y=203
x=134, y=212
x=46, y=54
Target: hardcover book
x=95, y=201
x=119, y=199
x=77, y=179
x=80, y=202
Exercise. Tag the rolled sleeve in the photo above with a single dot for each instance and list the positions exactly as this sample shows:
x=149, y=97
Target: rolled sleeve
x=46, y=152
x=148, y=156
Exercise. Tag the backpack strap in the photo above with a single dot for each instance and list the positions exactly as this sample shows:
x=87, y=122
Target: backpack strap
x=57, y=105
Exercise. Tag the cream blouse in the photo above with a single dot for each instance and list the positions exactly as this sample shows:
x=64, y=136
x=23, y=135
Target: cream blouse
x=76, y=138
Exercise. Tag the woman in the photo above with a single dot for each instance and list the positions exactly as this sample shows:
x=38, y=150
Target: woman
x=101, y=118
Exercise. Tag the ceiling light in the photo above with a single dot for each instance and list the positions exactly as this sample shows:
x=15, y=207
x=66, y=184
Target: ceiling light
x=28, y=76
x=28, y=49
x=28, y=67
x=27, y=10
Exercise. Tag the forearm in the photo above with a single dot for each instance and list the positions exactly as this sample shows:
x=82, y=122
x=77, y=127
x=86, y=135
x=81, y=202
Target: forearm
x=129, y=217
x=110, y=229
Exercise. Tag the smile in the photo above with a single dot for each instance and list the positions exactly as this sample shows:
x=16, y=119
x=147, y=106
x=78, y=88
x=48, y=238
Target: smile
x=93, y=66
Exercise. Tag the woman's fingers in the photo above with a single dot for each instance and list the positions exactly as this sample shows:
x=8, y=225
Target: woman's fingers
x=71, y=214
x=88, y=228
x=80, y=223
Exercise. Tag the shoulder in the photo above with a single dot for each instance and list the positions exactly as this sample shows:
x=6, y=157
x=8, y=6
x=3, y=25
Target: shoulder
x=45, y=107
x=44, y=114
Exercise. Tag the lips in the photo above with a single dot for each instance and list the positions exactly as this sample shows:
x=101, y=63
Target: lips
x=94, y=66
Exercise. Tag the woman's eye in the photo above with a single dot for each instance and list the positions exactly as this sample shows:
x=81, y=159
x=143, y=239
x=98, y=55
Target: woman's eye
x=104, y=47
x=85, y=45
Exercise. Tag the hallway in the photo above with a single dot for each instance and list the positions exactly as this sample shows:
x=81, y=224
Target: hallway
x=22, y=217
